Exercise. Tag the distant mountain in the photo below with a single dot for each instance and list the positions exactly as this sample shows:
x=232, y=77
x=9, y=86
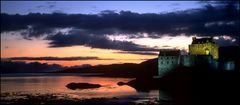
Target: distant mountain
x=144, y=69
x=23, y=67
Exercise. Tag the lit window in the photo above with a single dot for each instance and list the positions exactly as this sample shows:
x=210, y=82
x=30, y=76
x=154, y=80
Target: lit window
x=207, y=52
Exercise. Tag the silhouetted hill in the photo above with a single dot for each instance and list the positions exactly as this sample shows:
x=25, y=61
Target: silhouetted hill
x=23, y=67
x=144, y=69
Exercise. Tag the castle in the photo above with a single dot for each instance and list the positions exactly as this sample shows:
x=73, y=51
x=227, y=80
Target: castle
x=202, y=51
x=204, y=46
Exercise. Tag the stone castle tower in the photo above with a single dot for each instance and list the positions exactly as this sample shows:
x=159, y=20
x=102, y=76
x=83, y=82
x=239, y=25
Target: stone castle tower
x=204, y=46
x=167, y=61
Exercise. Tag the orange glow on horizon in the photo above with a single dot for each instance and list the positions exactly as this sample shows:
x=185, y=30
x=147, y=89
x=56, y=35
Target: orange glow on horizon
x=81, y=62
x=18, y=47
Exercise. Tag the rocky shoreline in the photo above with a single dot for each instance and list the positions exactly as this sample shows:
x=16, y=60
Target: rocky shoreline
x=60, y=99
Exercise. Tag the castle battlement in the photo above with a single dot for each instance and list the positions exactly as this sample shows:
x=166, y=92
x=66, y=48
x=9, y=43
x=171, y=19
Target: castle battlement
x=204, y=46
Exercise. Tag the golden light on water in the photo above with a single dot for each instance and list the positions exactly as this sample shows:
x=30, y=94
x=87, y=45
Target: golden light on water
x=57, y=85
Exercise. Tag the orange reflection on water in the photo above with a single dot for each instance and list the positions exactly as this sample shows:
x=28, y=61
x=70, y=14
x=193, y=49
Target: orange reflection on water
x=57, y=85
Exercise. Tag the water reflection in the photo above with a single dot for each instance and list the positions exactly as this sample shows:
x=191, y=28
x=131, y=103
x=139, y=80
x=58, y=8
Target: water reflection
x=56, y=84
x=15, y=87
x=196, y=93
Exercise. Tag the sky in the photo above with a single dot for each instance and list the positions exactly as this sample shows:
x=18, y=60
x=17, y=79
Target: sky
x=93, y=7
x=73, y=33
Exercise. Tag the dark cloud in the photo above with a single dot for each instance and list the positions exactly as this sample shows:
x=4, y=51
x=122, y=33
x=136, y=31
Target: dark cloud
x=91, y=29
x=174, y=4
x=221, y=41
x=138, y=52
x=188, y=22
x=51, y=4
x=23, y=67
x=59, y=58
x=81, y=37
x=40, y=6
x=58, y=11
x=166, y=46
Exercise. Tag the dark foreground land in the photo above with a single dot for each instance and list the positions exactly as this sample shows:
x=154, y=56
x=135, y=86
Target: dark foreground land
x=55, y=99
x=195, y=86
x=186, y=86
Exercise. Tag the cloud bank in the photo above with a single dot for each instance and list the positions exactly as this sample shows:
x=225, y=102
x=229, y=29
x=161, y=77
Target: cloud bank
x=23, y=67
x=92, y=29
x=59, y=58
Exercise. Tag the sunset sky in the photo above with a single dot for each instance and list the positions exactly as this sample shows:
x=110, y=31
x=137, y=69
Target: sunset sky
x=106, y=32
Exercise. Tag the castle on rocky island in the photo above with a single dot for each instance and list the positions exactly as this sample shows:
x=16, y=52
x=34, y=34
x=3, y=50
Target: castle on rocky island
x=202, y=51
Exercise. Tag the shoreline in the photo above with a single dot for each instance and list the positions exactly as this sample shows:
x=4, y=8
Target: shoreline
x=64, y=99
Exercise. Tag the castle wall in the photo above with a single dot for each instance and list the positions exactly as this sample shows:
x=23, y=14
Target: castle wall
x=204, y=49
x=229, y=65
x=167, y=64
x=193, y=60
x=187, y=60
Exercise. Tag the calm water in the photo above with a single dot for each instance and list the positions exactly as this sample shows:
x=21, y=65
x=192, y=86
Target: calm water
x=55, y=84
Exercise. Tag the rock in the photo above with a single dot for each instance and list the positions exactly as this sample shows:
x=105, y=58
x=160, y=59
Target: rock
x=121, y=83
x=75, y=86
